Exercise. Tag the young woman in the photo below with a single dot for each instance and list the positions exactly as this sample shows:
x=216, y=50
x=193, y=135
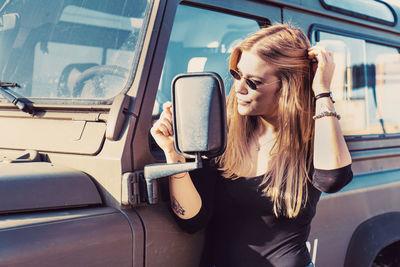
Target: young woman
x=284, y=147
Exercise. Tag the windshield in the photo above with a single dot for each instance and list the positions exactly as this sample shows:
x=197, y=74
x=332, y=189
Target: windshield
x=70, y=49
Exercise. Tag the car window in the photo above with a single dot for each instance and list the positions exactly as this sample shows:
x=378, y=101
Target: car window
x=70, y=49
x=364, y=84
x=201, y=40
x=385, y=84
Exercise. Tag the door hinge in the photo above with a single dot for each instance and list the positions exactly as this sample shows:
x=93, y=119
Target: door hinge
x=134, y=189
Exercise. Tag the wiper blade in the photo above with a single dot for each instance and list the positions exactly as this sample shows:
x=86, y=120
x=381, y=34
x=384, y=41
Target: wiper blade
x=6, y=84
x=15, y=100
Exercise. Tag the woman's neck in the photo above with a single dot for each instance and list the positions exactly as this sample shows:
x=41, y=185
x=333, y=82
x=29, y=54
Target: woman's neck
x=260, y=149
x=266, y=129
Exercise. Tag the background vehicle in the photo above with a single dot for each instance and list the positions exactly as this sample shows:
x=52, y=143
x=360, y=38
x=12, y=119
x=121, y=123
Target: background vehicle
x=94, y=74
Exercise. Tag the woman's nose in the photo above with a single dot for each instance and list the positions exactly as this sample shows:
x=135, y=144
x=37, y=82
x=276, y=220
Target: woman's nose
x=241, y=87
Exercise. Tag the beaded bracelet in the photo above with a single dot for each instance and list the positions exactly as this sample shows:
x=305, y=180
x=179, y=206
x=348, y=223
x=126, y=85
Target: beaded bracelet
x=326, y=114
x=179, y=177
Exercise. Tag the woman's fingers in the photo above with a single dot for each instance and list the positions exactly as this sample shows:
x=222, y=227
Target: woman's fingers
x=165, y=129
x=324, y=68
x=167, y=107
x=162, y=130
x=166, y=115
x=163, y=125
x=166, y=118
x=167, y=124
x=318, y=53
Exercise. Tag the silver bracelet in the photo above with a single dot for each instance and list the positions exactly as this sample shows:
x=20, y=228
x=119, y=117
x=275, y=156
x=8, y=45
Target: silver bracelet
x=326, y=114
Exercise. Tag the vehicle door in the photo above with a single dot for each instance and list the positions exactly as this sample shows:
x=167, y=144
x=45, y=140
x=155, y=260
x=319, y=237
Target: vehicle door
x=195, y=36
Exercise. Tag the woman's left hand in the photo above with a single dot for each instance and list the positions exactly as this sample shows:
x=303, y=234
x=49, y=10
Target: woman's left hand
x=325, y=67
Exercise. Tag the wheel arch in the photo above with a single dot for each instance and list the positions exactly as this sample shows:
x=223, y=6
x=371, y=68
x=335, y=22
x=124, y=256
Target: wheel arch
x=370, y=237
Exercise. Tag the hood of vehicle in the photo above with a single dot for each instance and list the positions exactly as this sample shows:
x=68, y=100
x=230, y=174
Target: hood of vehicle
x=30, y=186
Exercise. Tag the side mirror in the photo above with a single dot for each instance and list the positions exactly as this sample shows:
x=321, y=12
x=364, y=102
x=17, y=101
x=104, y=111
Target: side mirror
x=199, y=123
x=199, y=114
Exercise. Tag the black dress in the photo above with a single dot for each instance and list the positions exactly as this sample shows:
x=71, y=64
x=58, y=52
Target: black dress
x=242, y=229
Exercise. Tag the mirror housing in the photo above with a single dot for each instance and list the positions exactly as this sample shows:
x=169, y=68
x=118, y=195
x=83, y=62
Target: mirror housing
x=199, y=114
x=199, y=123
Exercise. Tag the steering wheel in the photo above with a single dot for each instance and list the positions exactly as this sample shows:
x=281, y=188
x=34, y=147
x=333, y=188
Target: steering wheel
x=94, y=72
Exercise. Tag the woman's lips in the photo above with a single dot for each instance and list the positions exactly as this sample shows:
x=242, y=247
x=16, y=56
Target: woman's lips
x=242, y=102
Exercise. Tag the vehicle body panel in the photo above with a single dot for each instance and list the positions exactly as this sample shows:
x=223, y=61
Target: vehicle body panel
x=72, y=208
x=85, y=237
x=39, y=186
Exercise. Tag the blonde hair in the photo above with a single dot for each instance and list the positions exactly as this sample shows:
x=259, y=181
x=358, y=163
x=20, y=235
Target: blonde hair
x=284, y=47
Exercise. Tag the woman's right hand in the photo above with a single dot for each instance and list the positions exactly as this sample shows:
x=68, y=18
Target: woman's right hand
x=162, y=131
x=185, y=200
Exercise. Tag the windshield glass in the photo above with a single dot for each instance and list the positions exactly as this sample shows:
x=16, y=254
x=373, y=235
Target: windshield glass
x=70, y=49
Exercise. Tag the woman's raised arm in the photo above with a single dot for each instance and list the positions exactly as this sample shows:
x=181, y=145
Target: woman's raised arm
x=185, y=200
x=330, y=149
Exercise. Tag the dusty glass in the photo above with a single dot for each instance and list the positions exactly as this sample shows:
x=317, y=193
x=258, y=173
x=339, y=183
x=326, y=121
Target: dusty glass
x=364, y=84
x=70, y=49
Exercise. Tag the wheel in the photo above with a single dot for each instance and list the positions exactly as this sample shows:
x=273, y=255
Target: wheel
x=388, y=257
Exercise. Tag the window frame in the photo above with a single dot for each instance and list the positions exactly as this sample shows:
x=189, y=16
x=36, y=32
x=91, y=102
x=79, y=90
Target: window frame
x=391, y=139
x=314, y=35
x=361, y=15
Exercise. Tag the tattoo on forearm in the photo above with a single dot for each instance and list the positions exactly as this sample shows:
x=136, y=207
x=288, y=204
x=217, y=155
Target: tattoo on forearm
x=177, y=207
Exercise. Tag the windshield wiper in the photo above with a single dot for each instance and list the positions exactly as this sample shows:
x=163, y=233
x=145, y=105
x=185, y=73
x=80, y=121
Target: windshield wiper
x=12, y=98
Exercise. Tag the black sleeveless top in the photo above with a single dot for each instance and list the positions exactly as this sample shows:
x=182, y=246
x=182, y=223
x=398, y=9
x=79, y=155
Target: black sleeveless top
x=242, y=229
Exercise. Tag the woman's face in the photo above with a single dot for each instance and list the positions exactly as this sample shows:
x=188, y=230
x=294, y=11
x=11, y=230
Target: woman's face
x=264, y=100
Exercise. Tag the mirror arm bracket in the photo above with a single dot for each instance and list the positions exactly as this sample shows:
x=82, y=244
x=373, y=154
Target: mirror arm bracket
x=154, y=171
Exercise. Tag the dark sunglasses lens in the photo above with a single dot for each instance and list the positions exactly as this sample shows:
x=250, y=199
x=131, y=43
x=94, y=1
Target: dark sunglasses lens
x=235, y=74
x=251, y=84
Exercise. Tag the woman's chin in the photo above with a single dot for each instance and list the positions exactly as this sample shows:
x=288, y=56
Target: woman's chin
x=244, y=111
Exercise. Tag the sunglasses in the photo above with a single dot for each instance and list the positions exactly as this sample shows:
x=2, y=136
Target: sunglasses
x=251, y=84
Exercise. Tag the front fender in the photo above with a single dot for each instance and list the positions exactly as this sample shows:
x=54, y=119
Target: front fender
x=32, y=186
x=370, y=237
